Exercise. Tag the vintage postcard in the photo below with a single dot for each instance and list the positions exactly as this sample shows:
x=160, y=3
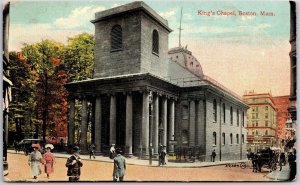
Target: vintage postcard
x=149, y=91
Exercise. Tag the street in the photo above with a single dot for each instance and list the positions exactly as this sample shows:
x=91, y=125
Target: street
x=102, y=171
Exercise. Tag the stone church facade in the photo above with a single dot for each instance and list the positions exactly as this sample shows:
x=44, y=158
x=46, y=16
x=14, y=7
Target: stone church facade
x=145, y=95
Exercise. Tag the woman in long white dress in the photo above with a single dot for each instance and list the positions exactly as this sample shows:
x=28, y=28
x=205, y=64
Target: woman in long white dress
x=34, y=161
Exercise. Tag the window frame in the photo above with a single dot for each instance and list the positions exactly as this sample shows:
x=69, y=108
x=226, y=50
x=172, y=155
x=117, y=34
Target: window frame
x=114, y=47
x=155, y=42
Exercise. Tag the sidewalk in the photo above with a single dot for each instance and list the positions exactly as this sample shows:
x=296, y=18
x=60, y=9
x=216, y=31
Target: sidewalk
x=282, y=175
x=136, y=161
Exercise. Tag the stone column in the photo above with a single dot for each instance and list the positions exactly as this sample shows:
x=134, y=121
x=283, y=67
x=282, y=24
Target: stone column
x=112, y=120
x=171, y=126
x=164, y=120
x=128, y=124
x=145, y=124
x=98, y=122
x=192, y=124
x=155, y=124
x=200, y=124
x=83, y=134
x=71, y=121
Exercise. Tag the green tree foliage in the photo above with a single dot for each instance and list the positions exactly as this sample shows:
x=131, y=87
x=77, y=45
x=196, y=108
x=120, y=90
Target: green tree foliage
x=78, y=57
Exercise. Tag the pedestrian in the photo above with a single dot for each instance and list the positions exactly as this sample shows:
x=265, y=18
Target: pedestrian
x=162, y=156
x=281, y=160
x=213, y=156
x=119, y=166
x=74, y=164
x=112, y=151
x=292, y=164
x=48, y=160
x=92, y=150
x=34, y=161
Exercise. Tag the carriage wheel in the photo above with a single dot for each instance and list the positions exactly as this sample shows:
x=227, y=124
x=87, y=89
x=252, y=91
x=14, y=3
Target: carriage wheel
x=273, y=167
x=243, y=165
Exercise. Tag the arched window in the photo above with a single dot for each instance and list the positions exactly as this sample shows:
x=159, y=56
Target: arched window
x=215, y=110
x=214, y=138
x=224, y=113
x=155, y=42
x=231, y=139
x=231, y=116
x=223, y=137
x=116, y=38
x=237, y=138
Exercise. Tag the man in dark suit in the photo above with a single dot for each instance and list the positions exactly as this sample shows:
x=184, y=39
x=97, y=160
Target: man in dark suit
x=119, y=166
x=74, y=164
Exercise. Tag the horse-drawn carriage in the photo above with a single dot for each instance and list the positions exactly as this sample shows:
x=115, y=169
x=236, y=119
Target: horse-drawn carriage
x=264, y=157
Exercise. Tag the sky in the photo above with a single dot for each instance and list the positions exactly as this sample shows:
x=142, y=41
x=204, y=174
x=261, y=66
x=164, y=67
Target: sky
x=242, y=52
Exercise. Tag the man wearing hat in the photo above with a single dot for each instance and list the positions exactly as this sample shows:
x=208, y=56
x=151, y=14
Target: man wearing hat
x=34, y=161
x=119, y=166
x=74, y=164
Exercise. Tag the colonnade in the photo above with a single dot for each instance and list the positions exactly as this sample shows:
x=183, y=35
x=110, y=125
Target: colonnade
x=156, y=118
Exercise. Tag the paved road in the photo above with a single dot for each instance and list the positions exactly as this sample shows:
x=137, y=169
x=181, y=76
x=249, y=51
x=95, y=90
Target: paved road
x=94, y=170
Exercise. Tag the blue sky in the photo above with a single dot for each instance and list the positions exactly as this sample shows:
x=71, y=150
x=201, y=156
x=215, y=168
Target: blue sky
x=260, y=42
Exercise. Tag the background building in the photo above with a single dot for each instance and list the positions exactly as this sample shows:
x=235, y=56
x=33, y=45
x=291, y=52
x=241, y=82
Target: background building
x=293, y=58
x=281, y=104
x=261, y=120
x=6, y=84
x=144, y=95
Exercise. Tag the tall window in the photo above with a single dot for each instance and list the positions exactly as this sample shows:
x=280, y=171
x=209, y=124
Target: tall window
x=155, y=42
x=266, y=123
x=266, y=115
x=243, y=119
x=237, y=138
x=214, y=138
x=215, y=110
x=266, y=108
x=231, y=116
x=223, y=137
x=266, y=132
x=224, y=113
x=243, y=139
x=185, y=112
x=116, y=38
x=231, y=139
x=237, y=117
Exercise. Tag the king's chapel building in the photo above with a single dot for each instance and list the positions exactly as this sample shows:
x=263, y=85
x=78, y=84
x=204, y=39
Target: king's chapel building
x=145, y=95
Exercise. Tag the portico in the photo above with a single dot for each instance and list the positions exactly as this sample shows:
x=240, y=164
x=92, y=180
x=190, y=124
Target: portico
x=130, y=105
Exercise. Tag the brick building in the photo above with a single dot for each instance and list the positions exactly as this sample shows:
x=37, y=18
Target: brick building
x=144, y=95
x=261, y=120
x=281, y=104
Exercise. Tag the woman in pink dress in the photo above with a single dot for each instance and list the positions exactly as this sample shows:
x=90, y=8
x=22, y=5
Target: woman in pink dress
x=48, y=159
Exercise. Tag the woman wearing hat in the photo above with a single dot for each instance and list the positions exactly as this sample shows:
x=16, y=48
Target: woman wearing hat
x=34, y=161
x=74, y=164
x=48, y=160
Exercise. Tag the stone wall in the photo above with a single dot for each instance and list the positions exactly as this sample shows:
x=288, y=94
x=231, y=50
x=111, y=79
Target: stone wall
x=125, y=61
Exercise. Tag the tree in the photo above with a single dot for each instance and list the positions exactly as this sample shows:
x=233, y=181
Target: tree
x=78, y=57
x=48, y=77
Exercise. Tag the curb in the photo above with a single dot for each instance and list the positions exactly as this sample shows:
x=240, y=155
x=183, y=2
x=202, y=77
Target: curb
x=147, y=165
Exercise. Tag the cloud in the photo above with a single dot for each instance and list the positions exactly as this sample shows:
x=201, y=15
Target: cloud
x=32, y=33
x=187, y=16
x=167, y=14
x=117, y=4
x=78, y=17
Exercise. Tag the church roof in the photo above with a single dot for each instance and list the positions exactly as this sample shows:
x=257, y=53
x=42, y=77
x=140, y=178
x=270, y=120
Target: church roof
x=131, y=7
x=185, y=58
